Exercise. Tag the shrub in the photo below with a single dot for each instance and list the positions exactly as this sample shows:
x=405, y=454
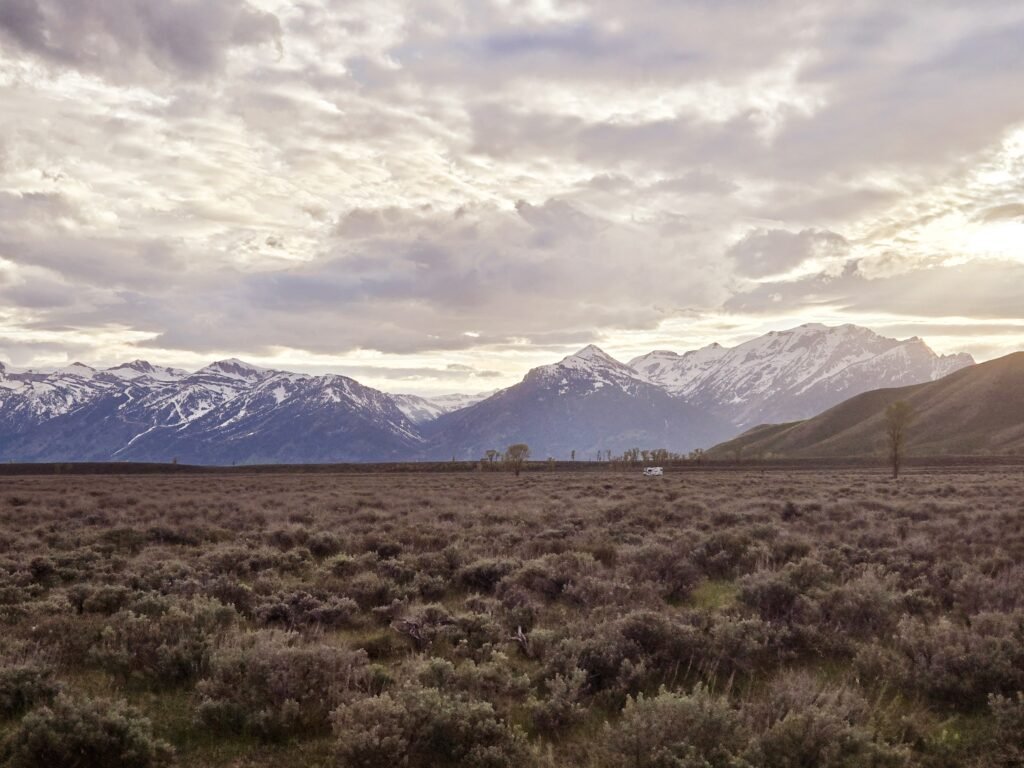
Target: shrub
x=672, y=572
x=724, y=554
x=79, y=733
x=866, y=607
x=561, y=707
x=300, y=609
x=370, y=590
x=551, y=576
x=25, y=681
x=324, y=544
x=271, y=685
x=803, y=723
x=623, y=656
x=673, y=730
x=953, y=662
x=1007, y=742
x=425, y=728
x=170, y=647
x=484, y=575
x=771, y=594
x=106, y=599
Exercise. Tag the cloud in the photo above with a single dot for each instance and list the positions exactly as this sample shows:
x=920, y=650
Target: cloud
x=982, y=291
x=767, y=252
x=1009, y=211
x=187, y=37
x=450, y=178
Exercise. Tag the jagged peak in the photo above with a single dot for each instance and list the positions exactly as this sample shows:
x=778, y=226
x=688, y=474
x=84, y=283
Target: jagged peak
x=139, y=365
x=592, y=353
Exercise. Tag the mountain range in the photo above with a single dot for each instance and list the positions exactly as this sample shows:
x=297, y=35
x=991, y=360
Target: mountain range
x=234, y=412
x=795, y=374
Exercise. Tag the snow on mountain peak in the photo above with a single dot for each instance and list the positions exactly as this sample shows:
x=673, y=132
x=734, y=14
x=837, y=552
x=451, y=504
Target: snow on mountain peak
x=790, y=374
x=590, y=355
x=76, y=369
x=142, y=369
x=235, y=369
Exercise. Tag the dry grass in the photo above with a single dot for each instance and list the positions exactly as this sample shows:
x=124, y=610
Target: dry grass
x=909, y=594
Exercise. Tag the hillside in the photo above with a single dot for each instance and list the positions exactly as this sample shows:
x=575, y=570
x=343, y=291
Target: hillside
x=976, y=410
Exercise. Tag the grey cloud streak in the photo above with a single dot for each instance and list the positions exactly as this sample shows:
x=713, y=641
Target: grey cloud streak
x=116, y=36
x=986, y=291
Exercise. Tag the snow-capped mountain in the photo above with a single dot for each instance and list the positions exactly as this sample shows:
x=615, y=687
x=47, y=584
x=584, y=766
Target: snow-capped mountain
x=234, y=412
x=420, y=410
x=587, y=402
x=790, y=375
x=227, y=412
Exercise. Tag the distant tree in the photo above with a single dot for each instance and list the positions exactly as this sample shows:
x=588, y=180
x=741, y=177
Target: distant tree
x=898, y=417
x=491, y=455
x=573, y=454
x=516, y=455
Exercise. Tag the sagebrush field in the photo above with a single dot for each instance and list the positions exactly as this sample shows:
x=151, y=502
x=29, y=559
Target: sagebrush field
x=774, y=618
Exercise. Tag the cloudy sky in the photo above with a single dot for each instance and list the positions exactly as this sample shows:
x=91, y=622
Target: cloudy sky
x=434, y=195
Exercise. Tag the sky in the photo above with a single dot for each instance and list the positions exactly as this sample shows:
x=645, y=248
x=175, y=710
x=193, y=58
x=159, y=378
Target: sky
x=434, y=196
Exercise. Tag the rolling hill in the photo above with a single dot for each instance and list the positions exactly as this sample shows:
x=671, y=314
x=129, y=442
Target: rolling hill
x=976, y=410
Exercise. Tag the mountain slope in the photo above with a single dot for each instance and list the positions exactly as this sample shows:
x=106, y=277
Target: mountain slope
x=976, y=410
x=586, y=403
x=288, y=418
x=419, y=409
x=788, y=375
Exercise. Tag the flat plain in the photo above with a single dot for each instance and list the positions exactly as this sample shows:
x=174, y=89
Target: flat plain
x=788, y=617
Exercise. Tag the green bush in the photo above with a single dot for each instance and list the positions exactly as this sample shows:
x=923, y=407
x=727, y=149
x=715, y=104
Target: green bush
x=803, y=723
x=562, y=705
x=271, y=685
x=24, y=684
x=951, y=661
x=418, y=727
x=80, y=733
x=672, y=730
x=172, y=646
x=1007, y=747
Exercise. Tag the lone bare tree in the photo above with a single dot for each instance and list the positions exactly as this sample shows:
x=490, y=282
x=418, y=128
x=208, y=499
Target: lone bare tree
x=897, y=420
x=516, y=455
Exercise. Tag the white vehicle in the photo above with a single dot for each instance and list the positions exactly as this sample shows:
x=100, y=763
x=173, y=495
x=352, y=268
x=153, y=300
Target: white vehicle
x=653, y=471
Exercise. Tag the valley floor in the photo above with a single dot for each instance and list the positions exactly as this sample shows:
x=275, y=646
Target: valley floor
x=758, y=616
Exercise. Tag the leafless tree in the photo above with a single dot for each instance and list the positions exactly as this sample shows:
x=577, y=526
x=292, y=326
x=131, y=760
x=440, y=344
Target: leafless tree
x=898, y=417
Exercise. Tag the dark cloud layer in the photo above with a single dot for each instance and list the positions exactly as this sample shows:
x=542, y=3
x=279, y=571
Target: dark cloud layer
x=762, y=252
